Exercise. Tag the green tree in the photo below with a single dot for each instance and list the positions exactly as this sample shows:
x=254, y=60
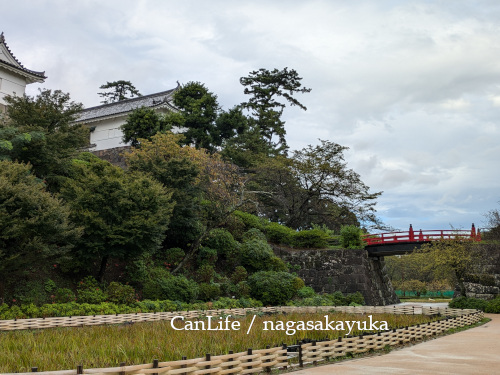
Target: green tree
x=40, y=131
x=124, y=215
x=214, y=187
x=199, y=109
x=266, y=87
x=143, y=123
x=34, y=226
x=120, y=90
x=314, y=186
x=451, y=259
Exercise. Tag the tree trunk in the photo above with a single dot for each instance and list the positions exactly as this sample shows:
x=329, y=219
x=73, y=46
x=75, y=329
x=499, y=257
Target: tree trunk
x=104, y=263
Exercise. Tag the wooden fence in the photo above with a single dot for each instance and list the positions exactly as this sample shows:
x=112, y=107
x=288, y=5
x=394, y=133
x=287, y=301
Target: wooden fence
x=264, y=360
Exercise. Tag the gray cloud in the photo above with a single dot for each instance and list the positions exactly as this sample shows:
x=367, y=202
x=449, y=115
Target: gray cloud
x=412, y=88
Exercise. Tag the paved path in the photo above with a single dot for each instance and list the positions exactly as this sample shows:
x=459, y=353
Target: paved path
x=472, y=352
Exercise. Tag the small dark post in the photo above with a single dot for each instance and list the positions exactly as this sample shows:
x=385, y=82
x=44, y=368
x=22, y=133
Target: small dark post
x=314, y=350
x=184, y=366
x=155, y=365
x=250, y=352
x=34, y=369
x=79, y=369
x=207, y=358
x=122, y=364
x=286, y=353
x=301, y=362
x=268, y=368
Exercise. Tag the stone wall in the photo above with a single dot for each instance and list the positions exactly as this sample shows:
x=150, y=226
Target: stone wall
x=114, y=155
x=344, y=270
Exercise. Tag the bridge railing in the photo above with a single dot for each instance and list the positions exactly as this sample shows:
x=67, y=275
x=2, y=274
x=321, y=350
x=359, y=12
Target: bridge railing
x=421, y=236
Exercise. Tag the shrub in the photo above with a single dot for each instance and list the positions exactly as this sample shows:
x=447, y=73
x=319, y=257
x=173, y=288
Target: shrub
x=350, y=237
x=209, y=291
x=272, y=288
x=306, y=292
x=64, y=295
x=207, y=255
x=179, y=288
x=172, y=256
x=205, y=273
x=277, y=264
x=222, y=241
x=493, y=306
x=256, y=254
x=239, y=274
x=151, y=286
x=468, y=303
x=31, y=292
x=280, y=234
x=355, y=298
x=254, y=234
x=89, y=291
x=311, y=238
x=250, y=221
x=120, y=294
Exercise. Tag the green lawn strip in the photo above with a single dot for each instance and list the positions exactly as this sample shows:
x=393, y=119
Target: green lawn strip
x=109, y=345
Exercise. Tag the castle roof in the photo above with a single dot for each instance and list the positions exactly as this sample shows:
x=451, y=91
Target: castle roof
x=159, y=100
x=10, y=62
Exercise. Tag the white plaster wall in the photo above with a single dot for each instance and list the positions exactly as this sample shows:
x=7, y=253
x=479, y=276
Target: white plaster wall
x=11, y=84
x=107, y=134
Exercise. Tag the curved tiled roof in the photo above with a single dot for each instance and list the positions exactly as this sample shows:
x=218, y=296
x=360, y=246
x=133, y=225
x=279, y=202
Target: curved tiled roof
x=36, y=76
x=160, y=99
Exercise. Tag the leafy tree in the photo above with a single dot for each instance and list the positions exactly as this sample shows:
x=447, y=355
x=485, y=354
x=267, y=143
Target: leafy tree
x=143, y=123
x=266, y=86
x=123, y=214
x=199, y=109
x=121, y=90
x=34, y=226
x=40, y=131
x=451, y=259
x=314, y=186
x=493, y=224
x=212, y=186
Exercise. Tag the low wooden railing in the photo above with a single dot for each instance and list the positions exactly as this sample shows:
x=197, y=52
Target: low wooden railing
x=264, y=360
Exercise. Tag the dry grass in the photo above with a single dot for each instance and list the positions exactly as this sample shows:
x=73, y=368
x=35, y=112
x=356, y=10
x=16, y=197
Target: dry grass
x=107, y=346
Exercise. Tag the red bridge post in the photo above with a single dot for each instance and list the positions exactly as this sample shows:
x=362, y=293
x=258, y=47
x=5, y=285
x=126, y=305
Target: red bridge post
x=473, y=232
x=412, y=235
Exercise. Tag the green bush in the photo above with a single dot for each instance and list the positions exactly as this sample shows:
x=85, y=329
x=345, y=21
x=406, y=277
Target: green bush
x=279, y=234
x=120, y=294
x=256, y=254
x=306, y=292
x=468, y=303
x=272, y=288
x=493, y=306
x=277, y=264
x=205, y=273
x=254, y=234
x=222, y=241
x=64, y=295
x=151, y=289
x=311, y=238
x=350, y=237
x=209, y=292
x=172, y=257
x=89, y=291
x=179, y=288
x=239, y=274
x=207, y=255
x=250, y=221
x=355, y=298
x=31, y=292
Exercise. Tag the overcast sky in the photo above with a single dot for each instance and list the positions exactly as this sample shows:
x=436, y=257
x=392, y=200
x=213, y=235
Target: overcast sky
x=411, y=87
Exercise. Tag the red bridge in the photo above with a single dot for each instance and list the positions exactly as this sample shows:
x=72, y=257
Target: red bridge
x=394, y=243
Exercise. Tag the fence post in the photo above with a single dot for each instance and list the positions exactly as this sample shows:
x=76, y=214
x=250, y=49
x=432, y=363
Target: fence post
x=79, y=369
x=412, y=234
x=122, y=364
x=473, y=232
x=231, y=360
x=301, y=362
x=286, y=354
x=34, y=369
x=207, y=358
x=249, y=352
x=184, y=366
x=155, y=365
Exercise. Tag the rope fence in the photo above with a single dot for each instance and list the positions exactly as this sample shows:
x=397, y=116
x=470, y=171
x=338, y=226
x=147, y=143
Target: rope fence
x=262, y=360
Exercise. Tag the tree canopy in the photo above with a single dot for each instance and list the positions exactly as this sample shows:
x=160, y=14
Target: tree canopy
x=40, y=131
x=120, y=90
x=123, y=214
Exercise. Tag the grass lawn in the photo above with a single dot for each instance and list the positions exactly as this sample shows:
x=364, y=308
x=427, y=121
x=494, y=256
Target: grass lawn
x=107, y=346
